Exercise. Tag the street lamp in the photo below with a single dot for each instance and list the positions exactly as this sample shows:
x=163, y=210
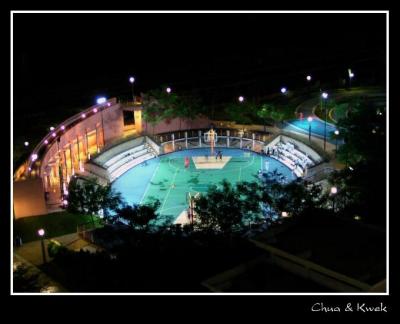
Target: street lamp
x=351, y=75
x=26, y=143
x=241, y=99
x=101, y=100
x=325, y=96
x=333, y=193
x=168, y=90
x=336, y=135
x=283, y=90
x=308, y=77
x=309, y=119
x=41, y=233
x=132, y=81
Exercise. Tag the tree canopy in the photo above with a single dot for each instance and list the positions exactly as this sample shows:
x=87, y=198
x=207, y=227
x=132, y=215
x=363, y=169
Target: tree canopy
x=362, y=184
x=89, y=197
x=161, y=105
x=138, y=216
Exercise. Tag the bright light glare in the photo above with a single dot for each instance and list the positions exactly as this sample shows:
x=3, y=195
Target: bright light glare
x=308, y=78
x=333, y=190
x=283, y=90
x=168, y=90
x=131, y=79
x=336, y=132
x=41, y=232
x=310, y=119
x=241, y=98
x=324, y=95
x=101, y=100
x=34, y=157
x=51, y=128
x=26, y=143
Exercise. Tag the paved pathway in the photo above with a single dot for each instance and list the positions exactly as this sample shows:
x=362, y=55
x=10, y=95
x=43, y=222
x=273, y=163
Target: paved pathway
x=29, y=256
x=43, y=283
x=32, y=251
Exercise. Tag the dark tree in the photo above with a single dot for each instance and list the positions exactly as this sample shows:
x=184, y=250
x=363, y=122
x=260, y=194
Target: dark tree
x=87, y=196
x=139, y=216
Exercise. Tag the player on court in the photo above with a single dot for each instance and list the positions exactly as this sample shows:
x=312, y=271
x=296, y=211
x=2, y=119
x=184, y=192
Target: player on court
x=187, y=162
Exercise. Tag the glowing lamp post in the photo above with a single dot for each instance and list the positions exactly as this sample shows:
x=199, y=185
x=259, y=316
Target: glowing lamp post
x=283, y=90
x=132, y=81
x=334, y=191
x=241, y=99
x=351, y=75
x=324, y=96
x=101, y=101
x=41, y=233
x=309, y=119
x=308, y=78
x=336, y=136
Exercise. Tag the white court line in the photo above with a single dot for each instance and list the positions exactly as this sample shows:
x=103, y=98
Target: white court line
x=219, y=170
x=169, y=190
x=148, y=185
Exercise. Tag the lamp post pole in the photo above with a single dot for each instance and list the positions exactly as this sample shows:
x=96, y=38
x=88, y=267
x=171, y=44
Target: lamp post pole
x=325, y=96
x=336, y=135
x=132, y=81
x=333, y=193
x=309, y=128
x=41, y=234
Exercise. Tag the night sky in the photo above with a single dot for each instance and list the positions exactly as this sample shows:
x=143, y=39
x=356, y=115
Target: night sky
x=68, y=59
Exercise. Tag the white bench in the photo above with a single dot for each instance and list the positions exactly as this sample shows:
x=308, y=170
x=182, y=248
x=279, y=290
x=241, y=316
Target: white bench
x=123, y=154
x=129, y=165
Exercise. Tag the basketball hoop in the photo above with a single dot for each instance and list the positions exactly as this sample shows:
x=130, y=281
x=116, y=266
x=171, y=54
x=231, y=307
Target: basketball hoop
x=211, y=137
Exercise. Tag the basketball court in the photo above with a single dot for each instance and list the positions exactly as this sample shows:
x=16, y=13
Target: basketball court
x=167, y=179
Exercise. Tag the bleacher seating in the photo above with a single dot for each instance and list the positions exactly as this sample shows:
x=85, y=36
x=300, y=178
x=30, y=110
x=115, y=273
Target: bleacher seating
x=123, y=162
x=114, y=167
x=296, y=160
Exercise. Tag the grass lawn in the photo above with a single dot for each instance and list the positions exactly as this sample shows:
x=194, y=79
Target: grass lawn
x=55, y=224
x=340, y=110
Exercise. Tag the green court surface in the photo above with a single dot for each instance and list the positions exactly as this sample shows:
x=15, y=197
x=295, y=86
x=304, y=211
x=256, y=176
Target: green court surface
x=170, y=182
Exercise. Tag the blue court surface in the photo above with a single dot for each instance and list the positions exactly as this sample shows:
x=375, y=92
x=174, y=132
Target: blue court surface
x=317, y=127
x=165, y=178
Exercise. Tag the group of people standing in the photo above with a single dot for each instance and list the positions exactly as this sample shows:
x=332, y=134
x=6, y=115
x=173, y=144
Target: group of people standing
x=273, y=151
x=218, y=154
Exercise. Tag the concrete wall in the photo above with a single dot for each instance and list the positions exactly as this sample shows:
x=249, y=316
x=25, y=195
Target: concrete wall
x=29, y=198
x=113, y=128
